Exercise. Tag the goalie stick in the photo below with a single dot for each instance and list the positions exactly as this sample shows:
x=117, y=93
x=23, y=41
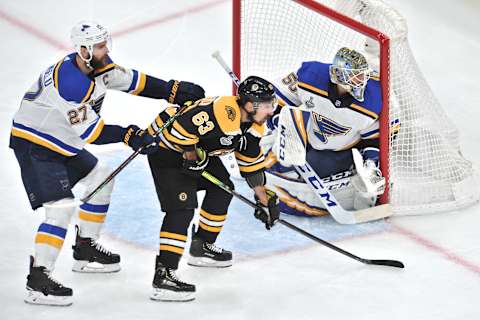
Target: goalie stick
x=223, y=186
x=132, y=156
x=331, y=204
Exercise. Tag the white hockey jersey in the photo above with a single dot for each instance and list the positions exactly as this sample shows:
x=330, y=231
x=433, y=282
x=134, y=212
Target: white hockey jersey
x=332, y=123
x=61, y=111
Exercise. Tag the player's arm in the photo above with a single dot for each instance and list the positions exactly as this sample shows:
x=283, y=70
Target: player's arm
x=91, y=128
x=138, y=83
x=251, y=162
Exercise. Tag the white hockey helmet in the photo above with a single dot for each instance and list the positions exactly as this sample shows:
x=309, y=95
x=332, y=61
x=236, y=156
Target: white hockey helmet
x=350, y=70
x=87, y=34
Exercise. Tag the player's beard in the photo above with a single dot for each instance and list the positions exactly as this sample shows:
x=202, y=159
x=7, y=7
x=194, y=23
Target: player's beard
x=98, y=63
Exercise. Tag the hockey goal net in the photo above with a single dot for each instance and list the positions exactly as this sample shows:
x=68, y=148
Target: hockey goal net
x=422, y=161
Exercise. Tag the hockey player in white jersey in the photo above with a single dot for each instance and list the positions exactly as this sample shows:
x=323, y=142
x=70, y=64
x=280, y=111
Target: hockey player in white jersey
x=57, y=117
x=338, y=109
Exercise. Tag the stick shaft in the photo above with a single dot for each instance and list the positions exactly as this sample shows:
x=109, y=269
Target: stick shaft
x=130, y=158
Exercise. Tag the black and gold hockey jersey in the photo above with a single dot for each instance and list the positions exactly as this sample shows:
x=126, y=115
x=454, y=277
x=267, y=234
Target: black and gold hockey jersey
x=213, y=124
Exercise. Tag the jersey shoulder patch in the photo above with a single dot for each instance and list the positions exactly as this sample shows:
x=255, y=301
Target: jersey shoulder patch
x=314, y=76
x=72, y=84
x=227, y=113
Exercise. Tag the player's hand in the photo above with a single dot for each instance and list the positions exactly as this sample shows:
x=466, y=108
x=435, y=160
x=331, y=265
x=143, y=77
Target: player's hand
x=183, y=91
x=271, y=213
x=137, y=138
x=195, y=166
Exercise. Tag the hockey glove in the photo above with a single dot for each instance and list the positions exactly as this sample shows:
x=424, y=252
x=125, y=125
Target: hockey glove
x=183, y=91
x=137, y=138
x=195, y=168
x=269, y=214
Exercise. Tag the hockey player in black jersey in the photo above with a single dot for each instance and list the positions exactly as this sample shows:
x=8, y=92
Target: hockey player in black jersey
x=207, y=129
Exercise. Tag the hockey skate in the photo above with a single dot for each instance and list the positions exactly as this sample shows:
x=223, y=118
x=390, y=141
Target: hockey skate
x=167, y=287
x=43, y=289
x=91, y=257
x=204, y=254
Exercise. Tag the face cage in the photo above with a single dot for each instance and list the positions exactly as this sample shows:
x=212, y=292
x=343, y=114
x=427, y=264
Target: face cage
x=355, y=78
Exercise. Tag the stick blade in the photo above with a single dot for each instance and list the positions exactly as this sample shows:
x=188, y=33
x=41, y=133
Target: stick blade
x=388, y=263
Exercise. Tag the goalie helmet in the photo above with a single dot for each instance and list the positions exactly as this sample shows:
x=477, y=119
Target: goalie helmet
x=87, y=34
x=350, y=70
x=256, y=90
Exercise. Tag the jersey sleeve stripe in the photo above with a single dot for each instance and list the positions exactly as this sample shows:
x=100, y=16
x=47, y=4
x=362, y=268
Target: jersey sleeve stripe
x=55, y=74
x=141, y=84
x=107, y=68
x=252, y=168
x=283, y=98
x=369, y=134
x=362, y=110
x=134, y=81
x=95, y=132
x=242, y=157
x=43, y=139
x=312, y=89
x=89, y=92
x=183, y=132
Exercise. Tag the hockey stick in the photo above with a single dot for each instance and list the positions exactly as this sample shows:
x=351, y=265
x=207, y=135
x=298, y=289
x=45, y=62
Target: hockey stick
x=388, y=263
x=131, y=157
x=338, y=213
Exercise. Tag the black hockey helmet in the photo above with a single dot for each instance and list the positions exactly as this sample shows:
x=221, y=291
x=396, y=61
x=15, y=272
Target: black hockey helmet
x=255, y=89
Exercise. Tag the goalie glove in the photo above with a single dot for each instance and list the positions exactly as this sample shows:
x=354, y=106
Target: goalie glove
x=269, y=214
x=195, y=167
x=368, y=181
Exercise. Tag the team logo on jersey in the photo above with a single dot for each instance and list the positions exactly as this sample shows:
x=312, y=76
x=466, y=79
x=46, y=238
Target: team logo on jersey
x=226, y=141
x=182, y=196
x=231, y=114
x=309, y=103
x=325, y=127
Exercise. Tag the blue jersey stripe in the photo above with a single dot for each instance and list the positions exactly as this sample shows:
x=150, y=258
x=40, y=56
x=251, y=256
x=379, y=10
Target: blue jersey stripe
x=134, y=81
x=283, y=97
x=48, y=137
x=89, y=130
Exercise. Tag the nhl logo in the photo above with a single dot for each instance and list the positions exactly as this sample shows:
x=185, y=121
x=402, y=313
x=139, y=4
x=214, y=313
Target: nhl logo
x=255, y=87
x=338, y=103
x=309, y=103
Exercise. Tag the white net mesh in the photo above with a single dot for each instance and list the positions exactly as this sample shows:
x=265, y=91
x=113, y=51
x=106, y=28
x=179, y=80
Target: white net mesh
x=427, y=171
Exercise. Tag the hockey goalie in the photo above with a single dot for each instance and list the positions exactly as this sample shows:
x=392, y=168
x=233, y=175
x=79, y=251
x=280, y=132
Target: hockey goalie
x=330, y=120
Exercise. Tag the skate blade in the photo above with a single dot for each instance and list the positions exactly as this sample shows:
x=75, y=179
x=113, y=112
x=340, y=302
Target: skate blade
x=171, y=296
x=35, y=297
x=208, y=263
x=95, y=267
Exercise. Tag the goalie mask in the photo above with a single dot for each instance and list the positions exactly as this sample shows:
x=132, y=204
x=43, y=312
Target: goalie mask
x=256, y=90
x=350, y=70
x=87, y=34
